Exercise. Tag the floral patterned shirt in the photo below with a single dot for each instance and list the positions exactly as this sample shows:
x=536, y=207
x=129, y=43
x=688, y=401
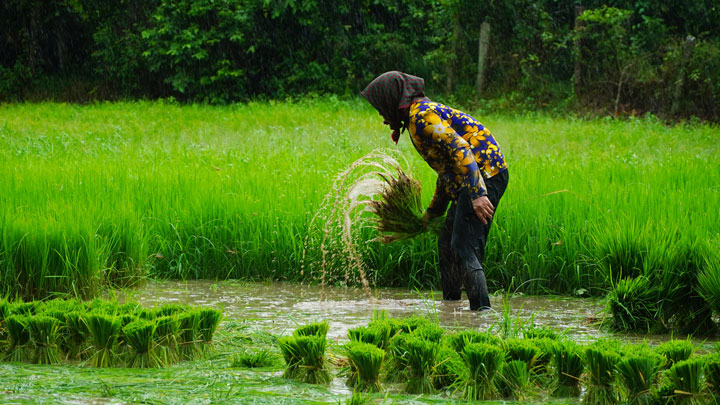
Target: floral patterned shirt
x=459, y=148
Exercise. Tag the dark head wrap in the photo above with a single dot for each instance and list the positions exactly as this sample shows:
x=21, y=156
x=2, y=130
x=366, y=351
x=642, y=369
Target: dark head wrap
x=392, y=91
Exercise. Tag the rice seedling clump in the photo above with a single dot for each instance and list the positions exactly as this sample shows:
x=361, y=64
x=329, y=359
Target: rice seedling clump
x=258, y=359
x=140, y=336
x=638, y=373
x=675, y=351
x=304, y=354
x=19, y=336
x=365, y=362
x=44, y=332
x=515, y=380
x=568, y=367
x=686, y=378
x=483, y=362
x=600, y=362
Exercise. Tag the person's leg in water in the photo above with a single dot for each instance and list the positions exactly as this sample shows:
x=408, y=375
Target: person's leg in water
x=469, y=236
x=450, y=274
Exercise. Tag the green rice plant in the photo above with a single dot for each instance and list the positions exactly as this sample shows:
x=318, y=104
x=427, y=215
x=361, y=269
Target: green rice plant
x=712, y=374
x=544, y=357
x=483, y=362
x=523, y=350
x=464, y=337
x=398, y=366
x=167, y=330
x=709, y=284
x=634, y=304
x=419, y=354
x=408, y=325
x=257, y=359
x=312, y=368
x=23, y=308
x=600, y=363
x=170, y=309
x=189, y=335
x=140, y=336
x=568, y=368
x=540, y=332
x=292, y=355
x=44, y=333
x=515, y=380
x=430, y=332
x=103, y=332
x=365, y=361
x=376, y=335
x=209, y=320
x=319, y=329
x=638, y=372
x=686, y=381
x=399, y=210
x=449, y=368
x=19, y=336
x=76, y=335
x=675, y=351
x=357, y=399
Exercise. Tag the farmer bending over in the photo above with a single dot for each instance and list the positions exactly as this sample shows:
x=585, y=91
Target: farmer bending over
x=472, y=175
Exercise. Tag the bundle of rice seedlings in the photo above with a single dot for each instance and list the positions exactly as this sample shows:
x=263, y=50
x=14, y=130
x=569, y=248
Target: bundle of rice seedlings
x=19, y=336
x=23, y=308
x=399, y=208
x=544, y=357
x=675, y=351
x=209, y=320
x=419, y=354
x=189, y=335
x=600, y=362
x=638, y=373
x=103, y=331
x=449, y=368
x=483, y=362
x=686, y=381
x=44, y=332
x=365, y=361
x=514, y=381
x=568, y=367
x=170, y=310
x=462, y=338
x=634, y=304
x=408, y=325
x=140, y=335
x=258, y=359
x=540, y=332
x=76, y=333
x=375, y=335
x=709, y=284
x=312, y=369
x=398, y=367
x=430, y=332
x=167, y=329
x=291, y=353
x=712, y=375
x=319, y=329
x=523, y=350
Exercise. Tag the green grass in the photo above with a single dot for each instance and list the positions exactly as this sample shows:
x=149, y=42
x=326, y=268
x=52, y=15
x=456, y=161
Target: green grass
x=110, y=193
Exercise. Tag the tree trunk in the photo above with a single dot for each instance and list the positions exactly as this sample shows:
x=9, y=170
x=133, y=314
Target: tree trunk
x=453, y=53
x=677, y=91
x=482, y=56
x=577, y=45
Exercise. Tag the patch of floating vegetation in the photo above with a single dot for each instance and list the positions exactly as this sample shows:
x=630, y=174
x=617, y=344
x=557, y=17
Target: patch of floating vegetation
x=104, y=333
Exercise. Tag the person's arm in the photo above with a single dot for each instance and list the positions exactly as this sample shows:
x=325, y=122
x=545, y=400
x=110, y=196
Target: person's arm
x=455, y=148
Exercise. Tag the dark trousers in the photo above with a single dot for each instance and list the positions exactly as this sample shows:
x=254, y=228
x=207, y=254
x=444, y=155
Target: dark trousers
x=462, y=246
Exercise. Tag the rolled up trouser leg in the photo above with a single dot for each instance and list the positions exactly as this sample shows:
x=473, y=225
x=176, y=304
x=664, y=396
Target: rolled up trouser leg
x=477, y=290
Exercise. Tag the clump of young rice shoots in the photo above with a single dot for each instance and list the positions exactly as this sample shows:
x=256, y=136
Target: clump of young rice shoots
x=258, y=359
x=209, y=320
x=523, y=350
x=568, y=367
x=291, y=353
x=483, y=362
x=449, y=368
x=712, y=374
x=514, y=381
x=167, y=329
x=139, y=335
x=675, y=351
x=312, y=368
x=19, y=336
x=313, y=329
x=420, y=356
x=376, y=335
x=686, y=381
x=467, y=336
x=104, y=331
x=634, y=304
x=365, y=361
x=189, y=337
x=76, y=334
x=44, y=332
x=544, y=357
x=638, y=372
x=600, y=362
x=430, y=332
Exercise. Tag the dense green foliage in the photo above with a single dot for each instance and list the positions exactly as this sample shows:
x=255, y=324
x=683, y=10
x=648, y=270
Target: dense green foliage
x=622, y=56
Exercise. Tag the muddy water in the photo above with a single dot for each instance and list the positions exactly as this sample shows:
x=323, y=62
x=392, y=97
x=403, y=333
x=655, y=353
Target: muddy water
x=280, y=307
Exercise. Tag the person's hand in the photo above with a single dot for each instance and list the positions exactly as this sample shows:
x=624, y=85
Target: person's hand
x=483, y=208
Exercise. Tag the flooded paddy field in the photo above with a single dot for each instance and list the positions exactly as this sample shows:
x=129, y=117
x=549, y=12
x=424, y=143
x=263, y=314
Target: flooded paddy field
x=256, y=314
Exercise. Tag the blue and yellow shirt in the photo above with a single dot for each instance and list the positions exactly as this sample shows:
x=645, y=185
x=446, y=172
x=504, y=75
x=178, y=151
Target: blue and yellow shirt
x=458, y=147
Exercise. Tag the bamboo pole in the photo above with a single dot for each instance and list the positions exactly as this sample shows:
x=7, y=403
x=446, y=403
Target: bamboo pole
x=483, y=45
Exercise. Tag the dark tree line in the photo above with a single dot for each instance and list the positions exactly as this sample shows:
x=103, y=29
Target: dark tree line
x=617, y=56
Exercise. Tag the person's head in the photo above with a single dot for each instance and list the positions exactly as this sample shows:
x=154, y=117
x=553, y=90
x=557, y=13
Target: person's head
x=391, y=94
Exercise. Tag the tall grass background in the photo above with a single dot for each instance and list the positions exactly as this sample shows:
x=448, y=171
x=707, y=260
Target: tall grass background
x=110, y=193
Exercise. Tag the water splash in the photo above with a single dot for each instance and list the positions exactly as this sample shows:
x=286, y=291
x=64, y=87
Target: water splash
x=344, y=220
